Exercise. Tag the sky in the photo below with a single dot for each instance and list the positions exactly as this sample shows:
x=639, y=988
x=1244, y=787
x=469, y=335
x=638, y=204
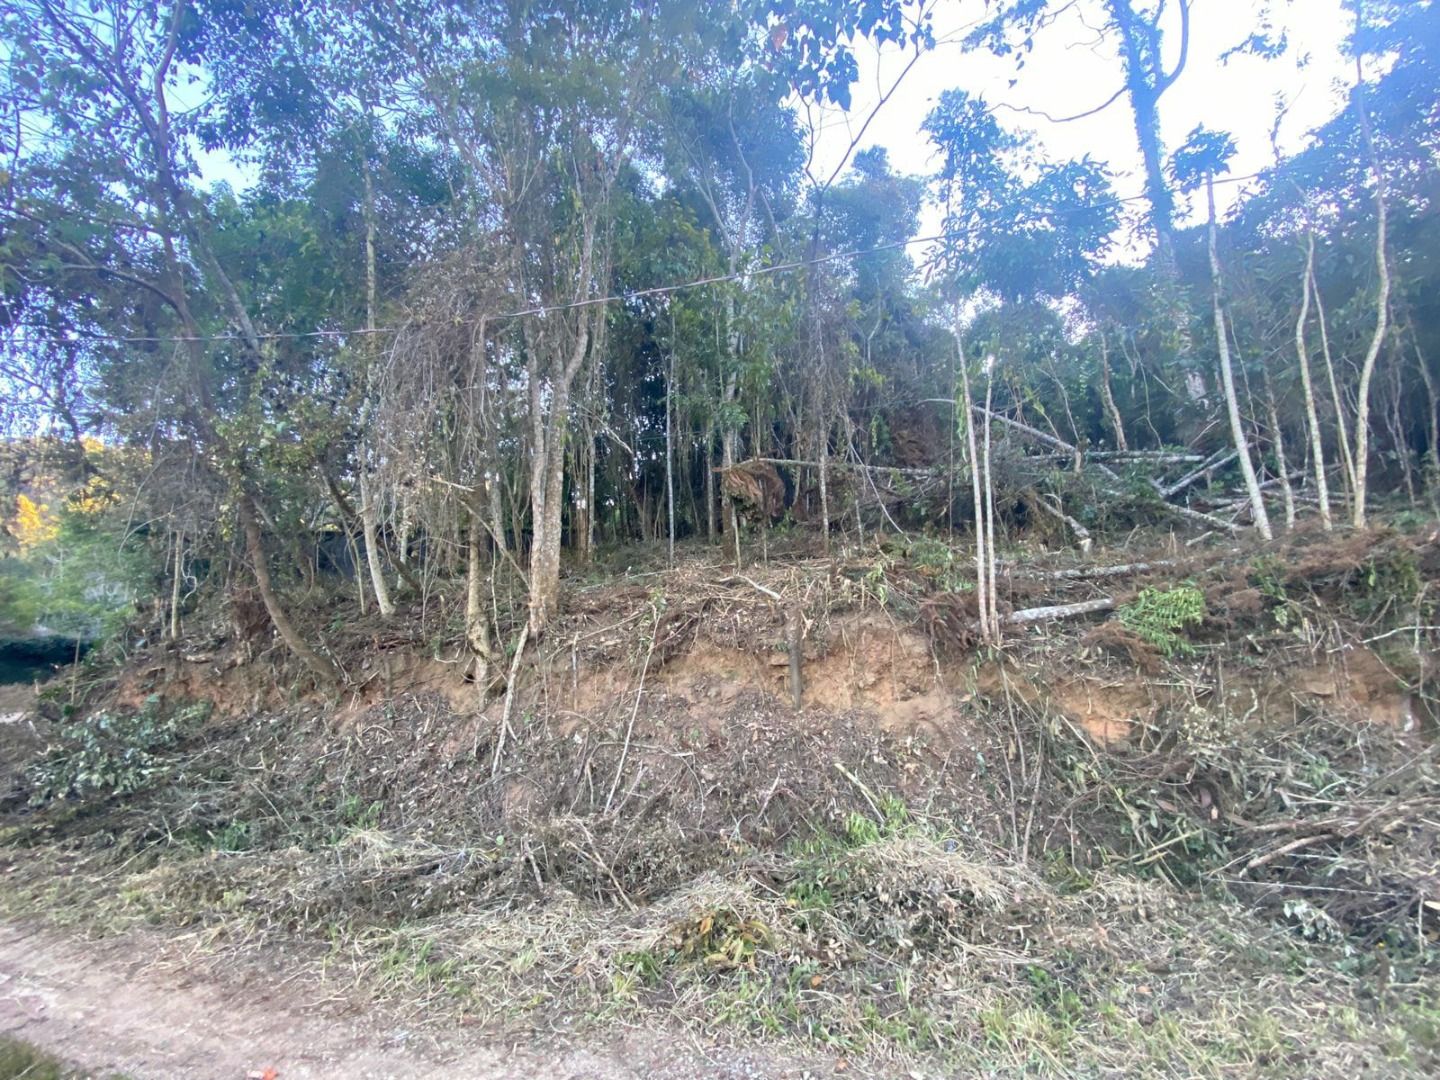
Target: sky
x=1071, y=71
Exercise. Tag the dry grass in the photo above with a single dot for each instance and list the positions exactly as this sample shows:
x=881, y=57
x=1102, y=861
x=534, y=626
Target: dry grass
x=903, y=948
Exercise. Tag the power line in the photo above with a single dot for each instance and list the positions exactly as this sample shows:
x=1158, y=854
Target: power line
x=624, y=297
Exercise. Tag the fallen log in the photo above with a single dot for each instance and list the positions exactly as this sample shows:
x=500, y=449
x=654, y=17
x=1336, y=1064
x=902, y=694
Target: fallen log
x=1152, y=457
x=1214, y=461
x=1208, y=519
x=1057, y=611
x=1085, y=573
x=838, y=463
x=963, y=632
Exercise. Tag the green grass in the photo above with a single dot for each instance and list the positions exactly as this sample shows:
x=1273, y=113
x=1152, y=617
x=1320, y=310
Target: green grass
x=21, y=1061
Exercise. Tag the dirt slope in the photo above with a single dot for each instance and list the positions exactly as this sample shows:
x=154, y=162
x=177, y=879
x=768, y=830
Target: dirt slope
x=110, y=1006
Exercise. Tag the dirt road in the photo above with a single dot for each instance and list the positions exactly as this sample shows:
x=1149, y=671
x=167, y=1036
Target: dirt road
x=109, y=1007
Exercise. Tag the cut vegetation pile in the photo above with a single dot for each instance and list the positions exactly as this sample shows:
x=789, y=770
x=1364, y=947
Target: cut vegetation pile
x=1186, y=821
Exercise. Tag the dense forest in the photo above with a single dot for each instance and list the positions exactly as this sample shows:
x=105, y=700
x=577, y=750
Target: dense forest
x=514, y=283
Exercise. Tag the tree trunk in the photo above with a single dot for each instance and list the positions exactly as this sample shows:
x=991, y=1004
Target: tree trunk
x=549, y=429
x=1145, y=81
x=175, y=586
x=1116, y=420
x=477, y=621
x=1342, y=424
x=982, y=576
x=370, y=526
x=324, y=670
x=994, y=610
x=1312, y=417
x=824, y=472
x=1278, y=438
x=1145, y=105
x=670, y=451
x=546, y=519
x=367, y=505
x=1227, y=376
x=729, y=441
x=1382, y=310
x=708, y=456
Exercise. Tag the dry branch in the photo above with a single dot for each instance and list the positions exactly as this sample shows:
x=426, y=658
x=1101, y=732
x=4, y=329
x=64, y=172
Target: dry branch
x=1082, y=534
x=509, y=699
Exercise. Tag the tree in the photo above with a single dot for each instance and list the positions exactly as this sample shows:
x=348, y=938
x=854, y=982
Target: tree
x=1137, y=29
x=1382, y=299
x=1204, y=154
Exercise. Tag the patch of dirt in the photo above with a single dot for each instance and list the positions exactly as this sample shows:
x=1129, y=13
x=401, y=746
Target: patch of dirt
x=884, y=676
x=130, y=1005
x=1109, y=712
x=1373, y=691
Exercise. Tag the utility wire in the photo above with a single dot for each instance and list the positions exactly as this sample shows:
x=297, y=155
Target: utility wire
x=624, y=297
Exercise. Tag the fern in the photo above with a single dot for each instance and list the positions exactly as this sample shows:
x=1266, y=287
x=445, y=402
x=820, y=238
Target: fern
x=1159, y=615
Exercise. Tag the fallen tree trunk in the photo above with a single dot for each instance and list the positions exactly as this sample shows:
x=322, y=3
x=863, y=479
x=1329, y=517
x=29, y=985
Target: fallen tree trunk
x=1208, y=519
x=1085, y=573
x=1152, y=457
x=1215, y=461
x=1057, y=611
x=836, y=463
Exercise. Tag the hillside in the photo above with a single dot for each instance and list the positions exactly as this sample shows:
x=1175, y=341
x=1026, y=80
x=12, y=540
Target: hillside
x=1126, y=842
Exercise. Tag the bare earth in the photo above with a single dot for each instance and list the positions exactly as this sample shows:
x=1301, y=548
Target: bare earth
x=109, y=1007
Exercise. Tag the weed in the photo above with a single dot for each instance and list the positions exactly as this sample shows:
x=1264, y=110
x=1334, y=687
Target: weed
x=1064, y=1004
x=1390, y=581
x=353, y=815
x=721, y=939
x=643, y=965
x=939, y=562
x=861, y=829
x=233, y=837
